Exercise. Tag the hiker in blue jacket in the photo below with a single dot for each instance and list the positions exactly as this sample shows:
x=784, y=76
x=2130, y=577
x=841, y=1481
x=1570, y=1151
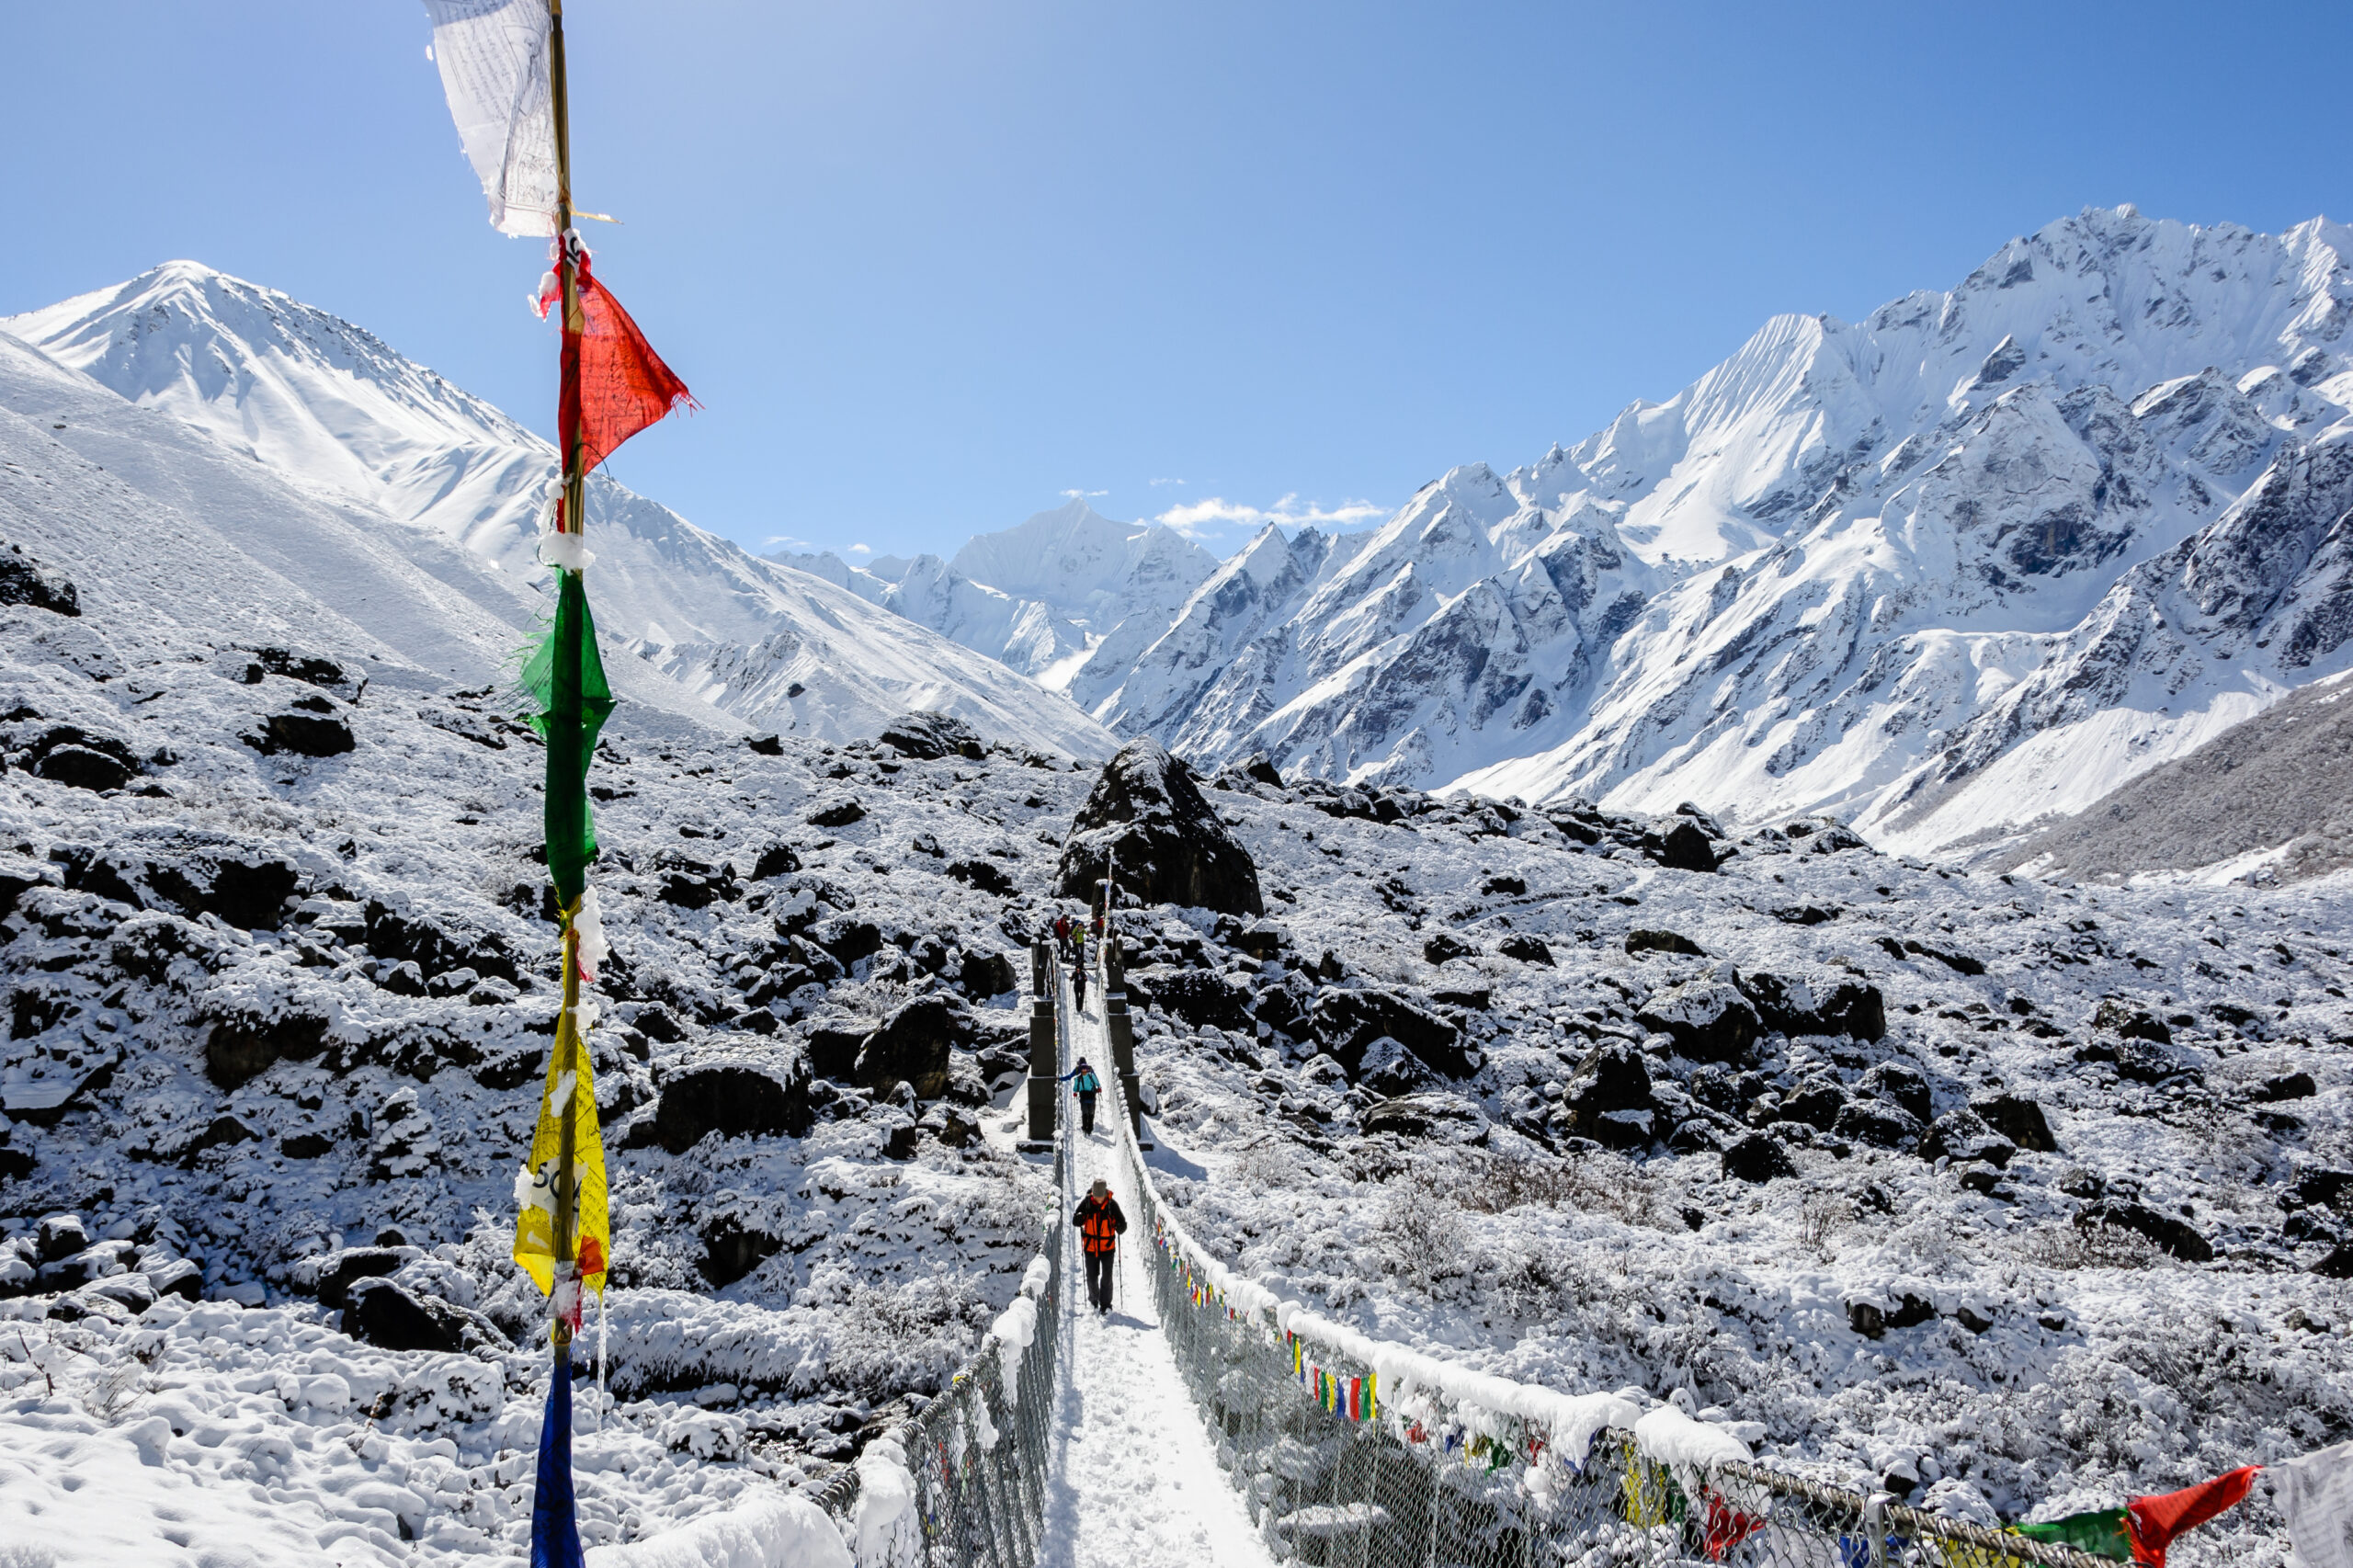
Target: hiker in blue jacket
x=1086, y=1086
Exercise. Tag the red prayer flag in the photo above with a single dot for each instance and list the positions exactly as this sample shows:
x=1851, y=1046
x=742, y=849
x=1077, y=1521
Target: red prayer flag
x=1727, y=1526
x=614, y=384
x=2156, y=1521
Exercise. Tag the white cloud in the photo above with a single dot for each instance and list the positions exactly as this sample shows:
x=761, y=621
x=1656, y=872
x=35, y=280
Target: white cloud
x=1197, y=520
x=1085, y=494
x=786, y=542
x=1158, y=482
x=862, y=550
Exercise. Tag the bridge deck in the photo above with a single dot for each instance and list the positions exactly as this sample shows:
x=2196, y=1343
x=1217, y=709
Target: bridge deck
x=1135, y=1481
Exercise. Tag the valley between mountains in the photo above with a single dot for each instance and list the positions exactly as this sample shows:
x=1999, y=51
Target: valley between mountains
x=1674, y=952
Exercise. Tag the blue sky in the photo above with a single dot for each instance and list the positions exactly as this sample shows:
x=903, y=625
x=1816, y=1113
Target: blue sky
x=932, y=265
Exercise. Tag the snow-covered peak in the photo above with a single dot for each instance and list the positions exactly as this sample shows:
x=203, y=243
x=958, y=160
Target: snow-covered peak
x=1071, y=556
x=331, y=410
x=312, y=395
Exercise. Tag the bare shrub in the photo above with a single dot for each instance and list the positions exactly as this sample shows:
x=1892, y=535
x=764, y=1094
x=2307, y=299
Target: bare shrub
x=1267, y=1164
x=2087, y=1246
x=1825, y=1218
x=1591, y=1182
x=1415, y=1235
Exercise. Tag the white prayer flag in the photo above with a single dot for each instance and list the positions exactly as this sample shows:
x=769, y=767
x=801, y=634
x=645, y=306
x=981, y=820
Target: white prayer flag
x=2315, y=1495
x=493, y=60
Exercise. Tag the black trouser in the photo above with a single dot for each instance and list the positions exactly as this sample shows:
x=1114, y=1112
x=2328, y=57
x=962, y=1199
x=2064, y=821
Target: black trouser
x=1085, y=1111
x=1098, y=1276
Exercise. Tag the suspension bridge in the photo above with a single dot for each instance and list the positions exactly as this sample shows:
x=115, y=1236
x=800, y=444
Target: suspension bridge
x=1203, y=1421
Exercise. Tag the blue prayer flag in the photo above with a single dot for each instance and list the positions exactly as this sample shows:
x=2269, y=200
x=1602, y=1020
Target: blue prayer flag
x=555, y=1537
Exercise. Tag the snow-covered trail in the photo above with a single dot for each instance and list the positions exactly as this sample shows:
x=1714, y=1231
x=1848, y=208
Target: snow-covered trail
x=1135, y=1483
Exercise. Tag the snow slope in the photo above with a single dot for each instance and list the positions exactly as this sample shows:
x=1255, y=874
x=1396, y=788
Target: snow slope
x=1969, y=563
x=334, y=411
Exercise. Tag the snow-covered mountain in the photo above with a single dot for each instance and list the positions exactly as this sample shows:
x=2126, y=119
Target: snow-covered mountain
x=1070, y=597
x=1971, y=563
x=339, y=416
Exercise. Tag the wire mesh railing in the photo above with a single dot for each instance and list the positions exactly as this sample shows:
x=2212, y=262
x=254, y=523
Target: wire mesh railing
x=1360, y=1455
x=963, y=1484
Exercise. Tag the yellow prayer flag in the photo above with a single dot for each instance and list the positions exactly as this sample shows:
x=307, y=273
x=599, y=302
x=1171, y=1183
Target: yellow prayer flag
x=570, y=1092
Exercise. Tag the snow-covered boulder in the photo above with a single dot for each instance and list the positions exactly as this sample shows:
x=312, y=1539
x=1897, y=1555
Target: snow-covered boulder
x=1147, y=814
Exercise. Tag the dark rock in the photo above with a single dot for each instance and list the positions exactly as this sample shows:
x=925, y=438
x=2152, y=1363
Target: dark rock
x=1900, y=1082
x=311, y=1145
x=847, y=939
x=1709, y=1019
x=1470, y=999
x=732, y=1250
x=221, y=1132
x=178, y=1278
x=340, y=1271
x=250, y=893
x=82, y=769
x=953, y=1128
x=1697, y=1136
x=733, y=1099
x=1879, y=1123
x=1663, y=942
x=983, y=975
x=241, y=1046
x=59, y=1237
x=841, y=814
x=1684, y=847
x=393, y=1317
x=1964, y=1135
x=765, y=745
x=304, y=734
x=1973, y=1319
x=1508, y=887
x=912, y=1047
x=1262, y=939
x=1449, y=1117
x=833, y=1051
x=22, y=582
x=2132, y=1023
x=1526, y=949
x=686, y=890
x=1610, y=1100
x=1758, y=1158
x=1847, y=1007
x=776, y=861
x=1824, y=835
x=1147, y=813
x=2018, y=1119
x=2337, y=1265
x=1961, y=964
x=1261, y=768
x=1816, y=1104
x=1805, y=914
x=2289, y=1086
x=2318, y=1184
x=928, y=736
x=1200, y=996
x=2171, y=1235
x=1348, y=1021
x=1446, y=945
x=982, y=874
x=904, y=1142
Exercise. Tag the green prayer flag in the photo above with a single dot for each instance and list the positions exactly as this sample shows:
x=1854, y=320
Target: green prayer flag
x=2101, y=1533
x=566, y=679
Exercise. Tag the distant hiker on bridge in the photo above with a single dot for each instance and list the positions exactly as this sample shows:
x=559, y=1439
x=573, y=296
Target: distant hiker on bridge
x=1100, y=1224
x=1062, y=936
x=1085, y=1085
x=1078, y=966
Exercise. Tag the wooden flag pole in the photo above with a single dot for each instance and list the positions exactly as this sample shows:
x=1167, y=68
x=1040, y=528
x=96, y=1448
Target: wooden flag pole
x=563, y=772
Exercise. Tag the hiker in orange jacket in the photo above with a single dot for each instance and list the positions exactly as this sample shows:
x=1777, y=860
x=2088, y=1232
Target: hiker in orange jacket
x=1100, y=1226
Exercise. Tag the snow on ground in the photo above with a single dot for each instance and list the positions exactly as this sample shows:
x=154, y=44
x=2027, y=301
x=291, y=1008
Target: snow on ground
x=1913, y=1298
x=1137, y=1484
